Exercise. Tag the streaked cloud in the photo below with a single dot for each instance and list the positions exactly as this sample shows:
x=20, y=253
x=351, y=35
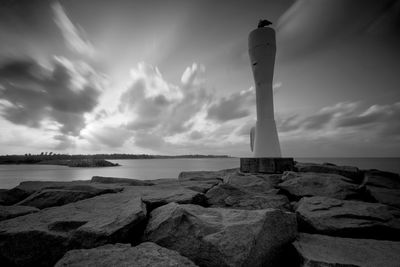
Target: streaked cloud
x=74, y=35
x=309, y=25
x=57, y=98
x=235, y=106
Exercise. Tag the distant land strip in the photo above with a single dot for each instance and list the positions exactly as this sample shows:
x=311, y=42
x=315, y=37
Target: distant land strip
x=44, y=157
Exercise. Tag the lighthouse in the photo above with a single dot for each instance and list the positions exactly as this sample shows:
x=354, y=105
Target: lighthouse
x=264, y=140
x=262, y=49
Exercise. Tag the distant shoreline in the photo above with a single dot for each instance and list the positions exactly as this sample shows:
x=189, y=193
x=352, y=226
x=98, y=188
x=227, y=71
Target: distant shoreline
x=47, y=158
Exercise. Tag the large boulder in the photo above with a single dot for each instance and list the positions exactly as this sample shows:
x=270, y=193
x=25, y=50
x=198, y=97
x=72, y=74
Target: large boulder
x=205, y=175
x=382, y=179
x=348, y=218
x=123, y=181
x=384, y=187
x=156, y=196
x=226, y=195
x=12, y=196
x=144, y=255
x=57, y=197
x=258, y=183
x=326, y=251
x=385, y=196
x=222, y=237
x=307, y=184
x=41, y=238
x=202, y=181
x=347, y=171
x=9, y=212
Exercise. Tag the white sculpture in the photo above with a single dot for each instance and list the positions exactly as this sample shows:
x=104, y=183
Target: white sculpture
x=264, y=139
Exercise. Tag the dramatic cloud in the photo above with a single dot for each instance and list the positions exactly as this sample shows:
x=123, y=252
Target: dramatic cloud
x=35, y=96
x=235, y=106
x=309, y=25
x=374, y=122
x=159, y=108
x=74, y=36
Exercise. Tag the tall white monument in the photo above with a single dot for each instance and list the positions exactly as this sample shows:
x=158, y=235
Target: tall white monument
x=262, y=48
x=264, y=139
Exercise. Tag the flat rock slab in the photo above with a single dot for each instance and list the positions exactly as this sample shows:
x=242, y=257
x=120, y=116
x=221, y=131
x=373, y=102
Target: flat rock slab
x=222, y=237
x=156, y=196
x=41, y=238
x=9, y=212
x=326, y=251
x=347, y=218
x=144, y=255
x=12, y=196
x=228, y=196
x=385, y=196
x=202, y=181
x=257, y=183
x=124, y=181
x=307, y=184
x=382, y=179
x=205, y=175
x=347, y=171
x=57, y=197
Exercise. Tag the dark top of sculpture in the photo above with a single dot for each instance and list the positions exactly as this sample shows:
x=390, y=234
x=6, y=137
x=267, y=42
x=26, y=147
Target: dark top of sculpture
x=263, y=23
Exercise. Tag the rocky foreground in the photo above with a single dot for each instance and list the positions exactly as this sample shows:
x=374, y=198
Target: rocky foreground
x=318, y=215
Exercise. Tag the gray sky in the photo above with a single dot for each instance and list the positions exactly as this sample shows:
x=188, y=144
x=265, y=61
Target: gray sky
x=173, y=77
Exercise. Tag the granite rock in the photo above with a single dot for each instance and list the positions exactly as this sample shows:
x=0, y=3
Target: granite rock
x=57, y=197
x=9, y=212
x=347, y=171
x=385, y=196
x=326, y=251
x=12, y=196
x=123, y=181
x=222, y=237
x=228, y=196
x=144, y=255
x=347, y=218
x=92, y=222
x=257, y=183
x=307, y=184
x=156, y=196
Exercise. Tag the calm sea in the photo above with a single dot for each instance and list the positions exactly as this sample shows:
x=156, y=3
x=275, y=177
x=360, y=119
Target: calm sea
x=12, y=175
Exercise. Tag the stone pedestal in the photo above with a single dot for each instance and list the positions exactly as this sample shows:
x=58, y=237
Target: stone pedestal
x=266, y=165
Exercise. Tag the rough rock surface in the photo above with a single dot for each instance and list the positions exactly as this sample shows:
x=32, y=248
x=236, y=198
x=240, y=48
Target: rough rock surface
x=382, y=179
x=319, y=250
x=12, y=196
x=384, y=187
x=257, y=183
x=347, y=171
x=160, y=195
x=307, y=184
x=202, y=181
x=146, y=254
x=226, y=195
x=348, y=218
x=125, y=181
x=385, y=196
x=109, y=218
x=222, y=237
x=8, y=212
x=57, y=197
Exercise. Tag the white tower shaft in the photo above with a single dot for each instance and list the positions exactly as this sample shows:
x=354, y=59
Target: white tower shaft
x=262, y=48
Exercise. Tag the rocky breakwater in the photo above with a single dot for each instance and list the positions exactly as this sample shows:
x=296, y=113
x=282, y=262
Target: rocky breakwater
x=318, y=215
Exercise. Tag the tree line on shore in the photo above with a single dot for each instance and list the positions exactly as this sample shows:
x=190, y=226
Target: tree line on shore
x=45, y=156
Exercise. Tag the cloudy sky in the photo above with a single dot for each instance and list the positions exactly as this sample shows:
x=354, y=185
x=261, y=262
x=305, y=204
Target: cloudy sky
x=173, y=77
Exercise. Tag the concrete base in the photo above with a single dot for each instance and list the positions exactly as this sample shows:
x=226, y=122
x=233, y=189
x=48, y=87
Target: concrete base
x=266, y=165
